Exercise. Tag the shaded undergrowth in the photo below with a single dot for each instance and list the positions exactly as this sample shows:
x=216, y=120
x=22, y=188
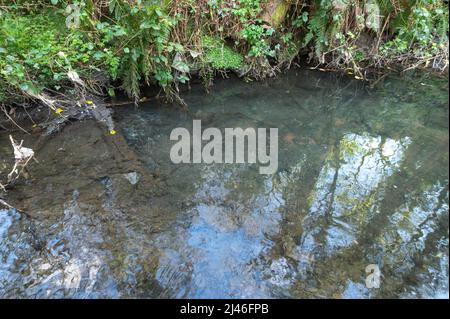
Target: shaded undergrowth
x=52, y=48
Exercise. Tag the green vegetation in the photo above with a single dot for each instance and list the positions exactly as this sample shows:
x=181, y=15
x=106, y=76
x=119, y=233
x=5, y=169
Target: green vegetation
x=220, y=56
x=124, y=44
x=37, y=52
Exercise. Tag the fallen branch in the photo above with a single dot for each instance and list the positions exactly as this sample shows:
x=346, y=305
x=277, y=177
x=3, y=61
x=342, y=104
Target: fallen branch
x=22, y=156
x=9, y=206
x=11, y=119
x=5, y=204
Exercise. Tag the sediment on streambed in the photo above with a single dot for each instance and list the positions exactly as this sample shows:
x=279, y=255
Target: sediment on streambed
x=61, y=157
x=76, y=212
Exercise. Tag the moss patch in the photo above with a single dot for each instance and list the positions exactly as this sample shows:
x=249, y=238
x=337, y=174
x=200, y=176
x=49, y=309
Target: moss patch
x=219, y=55
x=279, y=13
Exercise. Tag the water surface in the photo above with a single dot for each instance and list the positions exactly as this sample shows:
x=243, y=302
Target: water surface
x=362, y=179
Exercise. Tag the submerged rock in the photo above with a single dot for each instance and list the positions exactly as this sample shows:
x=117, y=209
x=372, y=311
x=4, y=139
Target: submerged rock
x=132, y=177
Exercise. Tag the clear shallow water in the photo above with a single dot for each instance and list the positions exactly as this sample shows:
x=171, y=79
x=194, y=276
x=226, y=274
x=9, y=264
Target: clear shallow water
x=362, y=179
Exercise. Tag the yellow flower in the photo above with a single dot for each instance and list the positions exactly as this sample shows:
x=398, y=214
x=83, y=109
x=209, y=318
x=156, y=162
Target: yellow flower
x=89, y=102
x=112, y=132
x=58, y=110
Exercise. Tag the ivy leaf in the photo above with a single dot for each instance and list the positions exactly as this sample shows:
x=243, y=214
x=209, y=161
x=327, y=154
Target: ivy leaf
x=179, y=65
x=145, y=25
x=305, y=16
x=183, y=79
x=24, y=87
x=111, y=92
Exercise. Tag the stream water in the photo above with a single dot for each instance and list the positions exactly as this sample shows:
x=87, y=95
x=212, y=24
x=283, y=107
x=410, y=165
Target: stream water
x=362, y=180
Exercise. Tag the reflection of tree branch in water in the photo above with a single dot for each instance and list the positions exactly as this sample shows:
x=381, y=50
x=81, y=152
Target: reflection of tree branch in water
x=321, y=236
x=337, y=151
x=419, y=263
x=412, y=179
x=381, y=224
x=442, y=197
x=333, y=186
x=384, y=159
x=333, y=138
x=370, y=233
x=358, y=169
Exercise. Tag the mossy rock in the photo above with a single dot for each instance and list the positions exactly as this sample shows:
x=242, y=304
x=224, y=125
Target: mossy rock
x=276, y=11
